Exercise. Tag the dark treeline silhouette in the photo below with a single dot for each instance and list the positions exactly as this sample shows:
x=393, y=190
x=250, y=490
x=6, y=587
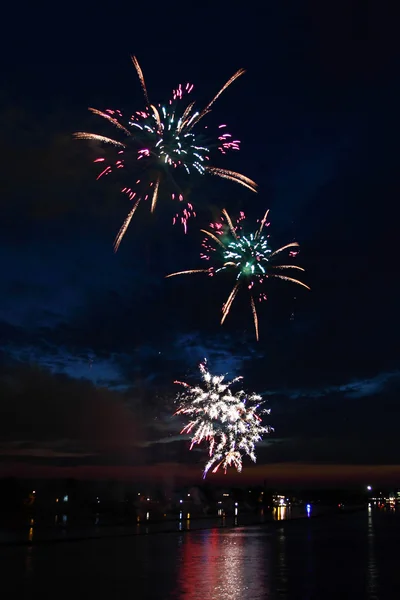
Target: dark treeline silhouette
x=76, y=497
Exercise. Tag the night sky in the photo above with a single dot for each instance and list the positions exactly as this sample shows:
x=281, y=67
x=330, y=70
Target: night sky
x=91, y=341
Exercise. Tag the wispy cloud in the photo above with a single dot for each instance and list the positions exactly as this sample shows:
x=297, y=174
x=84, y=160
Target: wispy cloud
x=357, y=388
x=101, y=371
x=221, y=352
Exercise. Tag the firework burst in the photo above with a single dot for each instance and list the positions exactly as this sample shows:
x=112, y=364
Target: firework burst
x=230, y=424
x=248, y=256
x=159, y=141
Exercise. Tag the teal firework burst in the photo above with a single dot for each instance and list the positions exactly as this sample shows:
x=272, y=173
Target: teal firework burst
x=248, y=257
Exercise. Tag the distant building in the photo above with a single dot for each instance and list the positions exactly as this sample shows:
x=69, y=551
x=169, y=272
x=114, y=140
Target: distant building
x=279, y=500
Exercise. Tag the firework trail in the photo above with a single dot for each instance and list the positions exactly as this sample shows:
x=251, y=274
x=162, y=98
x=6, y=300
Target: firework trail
x=230, y=424
x=159, y=142
x=248, y=256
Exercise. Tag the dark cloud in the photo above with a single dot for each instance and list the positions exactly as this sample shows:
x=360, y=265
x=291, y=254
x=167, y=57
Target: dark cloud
x=54, y=416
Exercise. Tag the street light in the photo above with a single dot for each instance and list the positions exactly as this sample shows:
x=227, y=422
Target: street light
x=369, y=488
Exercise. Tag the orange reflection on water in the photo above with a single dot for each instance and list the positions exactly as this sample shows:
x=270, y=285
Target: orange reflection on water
x=279, y=513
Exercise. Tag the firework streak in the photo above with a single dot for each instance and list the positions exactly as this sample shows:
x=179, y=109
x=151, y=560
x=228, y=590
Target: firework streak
x=230, y=424
x=249, y=257
x=159, y=143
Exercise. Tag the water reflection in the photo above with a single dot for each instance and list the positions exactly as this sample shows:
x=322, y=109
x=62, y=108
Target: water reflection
x=282, y=570
x=64, y=519
x=223, y=565
x=280, y=513
x=28, y=561
x=372, y=570
x=310, y=570
x=341, y=556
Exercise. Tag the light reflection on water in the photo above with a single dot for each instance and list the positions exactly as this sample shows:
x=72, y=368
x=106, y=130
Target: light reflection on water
x=355, y=556
x=309, y=566
x=222, y=565
x=28, y=562
x=280, y=513
x=30, y=534
x=35, y=533
x=282, y=570
x=372, y=570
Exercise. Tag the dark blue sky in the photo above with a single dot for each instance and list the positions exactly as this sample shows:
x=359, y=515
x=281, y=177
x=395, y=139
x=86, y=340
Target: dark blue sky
x=82, y=328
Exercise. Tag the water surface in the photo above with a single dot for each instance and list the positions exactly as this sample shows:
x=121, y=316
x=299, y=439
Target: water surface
x=353, y=556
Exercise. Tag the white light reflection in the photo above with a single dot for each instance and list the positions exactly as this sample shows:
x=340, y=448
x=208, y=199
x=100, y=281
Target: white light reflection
x=372, y=573
x=222, y=565
x=282, y=569
x=279, y=513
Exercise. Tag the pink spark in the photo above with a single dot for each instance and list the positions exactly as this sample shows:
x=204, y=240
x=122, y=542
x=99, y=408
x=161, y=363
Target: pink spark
x=106, y=171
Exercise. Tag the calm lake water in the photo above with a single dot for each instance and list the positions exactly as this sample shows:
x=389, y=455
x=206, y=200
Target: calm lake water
x=354, y=555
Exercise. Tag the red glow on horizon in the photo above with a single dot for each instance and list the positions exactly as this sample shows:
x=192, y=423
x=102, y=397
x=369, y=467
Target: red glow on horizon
x=284, y=473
